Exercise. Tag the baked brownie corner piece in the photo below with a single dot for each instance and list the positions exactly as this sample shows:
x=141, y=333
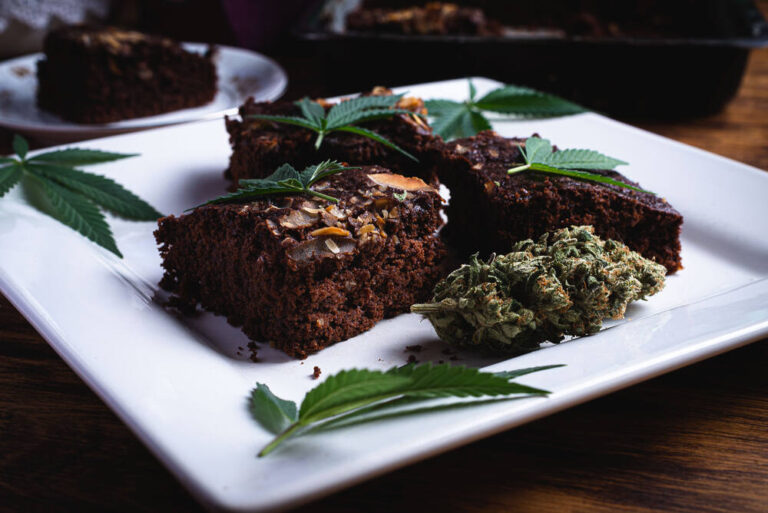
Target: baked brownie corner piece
x=526, y=205
x=102, y=74
x=302, y=273
x=259, y=146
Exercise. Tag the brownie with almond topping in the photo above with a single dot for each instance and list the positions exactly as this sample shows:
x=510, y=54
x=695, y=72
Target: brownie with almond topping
x=260, y=146
x=433, y=19
x=301, y=272
x=103, y=74
x=490, y=210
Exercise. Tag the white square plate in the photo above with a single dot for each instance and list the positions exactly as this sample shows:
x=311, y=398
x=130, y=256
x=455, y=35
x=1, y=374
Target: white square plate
x=181, y=384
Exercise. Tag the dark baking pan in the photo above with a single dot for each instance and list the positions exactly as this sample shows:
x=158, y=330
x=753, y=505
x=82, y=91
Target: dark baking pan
x=687, y=60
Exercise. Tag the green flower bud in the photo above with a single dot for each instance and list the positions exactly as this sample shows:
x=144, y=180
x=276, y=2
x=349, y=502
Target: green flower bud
x=567, y=283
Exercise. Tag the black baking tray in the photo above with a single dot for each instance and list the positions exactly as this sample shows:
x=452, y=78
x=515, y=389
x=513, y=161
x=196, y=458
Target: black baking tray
x=690, y=69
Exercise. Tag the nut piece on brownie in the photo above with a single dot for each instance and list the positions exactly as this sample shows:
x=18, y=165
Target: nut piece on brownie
x=103, y=74
x=526, y=205
x=302, y=273
x=260, y=146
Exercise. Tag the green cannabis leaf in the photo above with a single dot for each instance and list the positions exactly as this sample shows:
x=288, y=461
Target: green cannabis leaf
x=538, y=156
x=345, y=394
x=465, y=119
x=344, y=117
x=286, y=181
x=274, y=414
x=74, y=196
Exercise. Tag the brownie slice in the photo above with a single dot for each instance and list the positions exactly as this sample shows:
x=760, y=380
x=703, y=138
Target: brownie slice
x=302, y=273
x=435, y=18
x=104, y=74
x=259, y=146
x=490, y=210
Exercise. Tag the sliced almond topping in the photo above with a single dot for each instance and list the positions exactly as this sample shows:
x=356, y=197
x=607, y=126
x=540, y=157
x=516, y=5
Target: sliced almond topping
x=320, y=248
x=273, y=227
x=297, y=219
x=330, y=230
x=381, y=91
x=460, y=149
x=381, y=202
x=418, y=120
x=365, y=218
x=332, y=246
x=411, y=103
x=405, y=183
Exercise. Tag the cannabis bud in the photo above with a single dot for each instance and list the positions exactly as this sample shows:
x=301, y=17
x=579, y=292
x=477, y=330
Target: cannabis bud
x=564, y=284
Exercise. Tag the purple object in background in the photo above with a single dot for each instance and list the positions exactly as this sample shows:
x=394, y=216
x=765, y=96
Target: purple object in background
x=258, y=23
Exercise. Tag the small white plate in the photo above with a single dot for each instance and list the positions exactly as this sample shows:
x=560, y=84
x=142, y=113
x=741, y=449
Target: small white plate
x=181, y=384
x=242, y=73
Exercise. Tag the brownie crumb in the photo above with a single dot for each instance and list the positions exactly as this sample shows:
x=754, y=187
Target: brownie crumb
x=412, y=359
x=316, y=373
x=254, y=349
x=183, y=306
x=21, y=71
x=413, y=349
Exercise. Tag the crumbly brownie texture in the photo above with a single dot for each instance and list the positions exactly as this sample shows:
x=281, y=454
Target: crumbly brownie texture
x=302, y=273
x=434, y=18
x=259, y=147
x=99, y=75
x=490, y=210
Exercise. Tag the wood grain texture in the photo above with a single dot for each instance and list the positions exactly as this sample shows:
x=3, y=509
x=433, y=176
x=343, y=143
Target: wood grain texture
x=694, y=440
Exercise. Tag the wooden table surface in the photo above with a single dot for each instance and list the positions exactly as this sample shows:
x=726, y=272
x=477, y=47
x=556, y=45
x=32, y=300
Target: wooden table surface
x=693, y=440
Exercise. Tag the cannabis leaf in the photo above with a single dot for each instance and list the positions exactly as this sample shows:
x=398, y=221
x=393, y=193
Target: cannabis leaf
x=350, y=392
x=74, y=196
x=344, y=117
x=285, y=181
x=522, y=372
x=274, y=414
x=465, y=119
x=538, y=156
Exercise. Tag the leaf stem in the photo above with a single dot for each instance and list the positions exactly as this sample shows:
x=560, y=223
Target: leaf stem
x=290, y=430
x=319, y=141
x=424, y=308
x=518, y=169
x=321, y=195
